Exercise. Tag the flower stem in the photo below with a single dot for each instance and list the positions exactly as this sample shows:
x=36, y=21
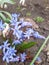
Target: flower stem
x=39, y=51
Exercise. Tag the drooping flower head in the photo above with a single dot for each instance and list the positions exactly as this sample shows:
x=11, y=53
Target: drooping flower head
x=23, y=57
x=9, y=54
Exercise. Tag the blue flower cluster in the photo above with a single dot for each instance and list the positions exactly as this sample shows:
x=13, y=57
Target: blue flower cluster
x=16, y=25
x=10, y=53
x=1, y=25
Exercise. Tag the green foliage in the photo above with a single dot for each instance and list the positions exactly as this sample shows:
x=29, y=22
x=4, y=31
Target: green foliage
x=5, y=19
x=2, y=16
x=6, y=1
x=6, y=13
x=25, y=45
x=39, y=19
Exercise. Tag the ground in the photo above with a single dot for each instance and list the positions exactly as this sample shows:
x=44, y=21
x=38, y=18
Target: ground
x=35, y=8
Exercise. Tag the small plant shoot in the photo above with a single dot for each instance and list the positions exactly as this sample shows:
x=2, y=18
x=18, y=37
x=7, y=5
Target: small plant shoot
x=39, y=19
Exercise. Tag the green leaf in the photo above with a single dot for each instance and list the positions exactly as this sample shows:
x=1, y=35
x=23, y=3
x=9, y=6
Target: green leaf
x=2, y=16
x=25, y=45
x=7, y=20
x=39, y=19
x=7, y=13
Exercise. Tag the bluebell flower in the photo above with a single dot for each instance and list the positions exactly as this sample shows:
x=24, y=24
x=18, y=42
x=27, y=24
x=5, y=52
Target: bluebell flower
x=38, y=59
x=15, y=23
x=14, y=20
x=17, y=33
x=12, y=51
x=1, y=47
x=5, y=46
x=16, y=30
x=15, y=42
x=28, y=33
x=17, y=58
x=20, y=24
x=1, y=25
x=23, y=57
x=15, y=16
x=37, y=35
x=24, y=23
x=22, y=38
x=9, y=54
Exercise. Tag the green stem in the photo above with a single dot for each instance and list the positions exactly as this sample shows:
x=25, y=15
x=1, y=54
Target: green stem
x=41, y=48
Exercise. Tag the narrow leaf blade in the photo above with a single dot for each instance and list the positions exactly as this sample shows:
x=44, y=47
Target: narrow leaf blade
x=2, y=16
x=25, y=45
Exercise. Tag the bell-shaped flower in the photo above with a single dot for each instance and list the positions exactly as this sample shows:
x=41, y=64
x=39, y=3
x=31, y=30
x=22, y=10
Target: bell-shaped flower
x=5, y=46
x=37, y=35
x=9, y=54
x=22, y=57
x=26, y=24
x=28, y=33
x=17, y=58
x=15, y=42
x=1, y=25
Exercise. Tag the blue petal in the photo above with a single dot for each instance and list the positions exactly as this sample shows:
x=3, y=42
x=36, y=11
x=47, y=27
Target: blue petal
x=37, y=35
x=23, y=57
x=38, y=59
x=26, y=24
x=16, y=42
x=1, y=47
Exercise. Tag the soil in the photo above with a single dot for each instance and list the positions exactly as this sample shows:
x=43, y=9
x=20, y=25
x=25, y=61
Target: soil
x=35, y=8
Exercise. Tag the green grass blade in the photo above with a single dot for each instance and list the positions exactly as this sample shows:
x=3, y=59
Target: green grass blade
x=7, y=20
x=2, y=16
x=7, y=13
x=41, y=48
